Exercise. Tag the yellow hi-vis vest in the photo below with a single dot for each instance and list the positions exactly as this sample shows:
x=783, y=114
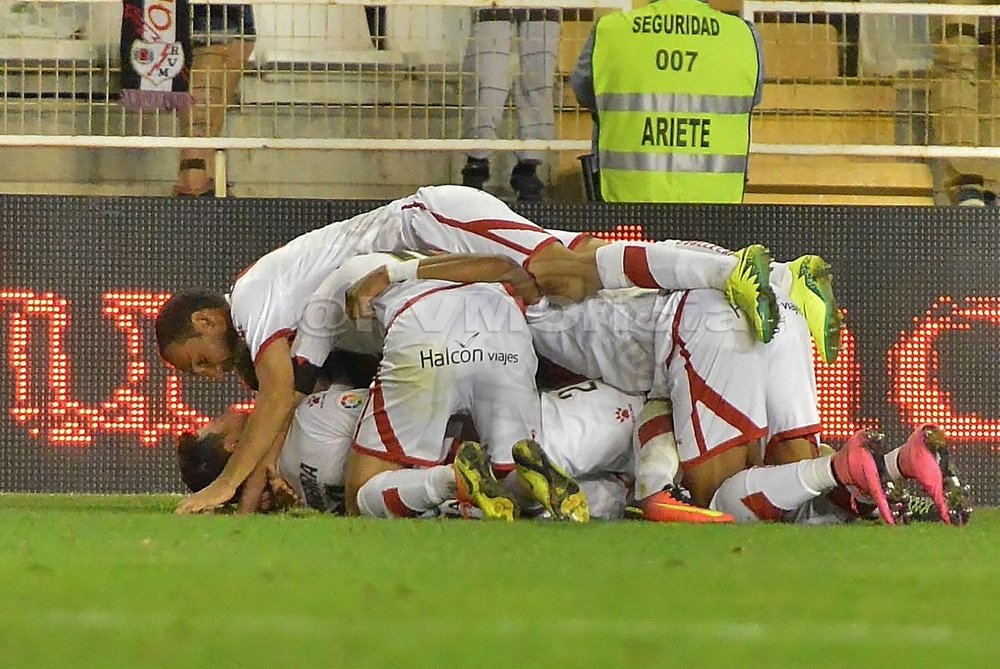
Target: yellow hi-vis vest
x=675, y=83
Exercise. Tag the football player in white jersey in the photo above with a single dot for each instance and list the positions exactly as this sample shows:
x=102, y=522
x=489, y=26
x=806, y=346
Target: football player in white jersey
x=590, y=425
x=199, y=332
x=730, y=395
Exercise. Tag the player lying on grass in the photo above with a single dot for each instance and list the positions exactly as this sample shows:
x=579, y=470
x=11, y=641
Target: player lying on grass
x=805, y=286
x=590, y=427
x=728, y=392
x=201, y=333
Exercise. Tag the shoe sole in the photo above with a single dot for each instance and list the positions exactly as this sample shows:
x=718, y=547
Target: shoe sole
x=477, y=486
x=758, y=302
x=682, y=513
x=549, y=485
x=814, y=273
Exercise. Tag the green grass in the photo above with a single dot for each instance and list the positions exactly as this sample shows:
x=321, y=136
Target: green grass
x=120, y=582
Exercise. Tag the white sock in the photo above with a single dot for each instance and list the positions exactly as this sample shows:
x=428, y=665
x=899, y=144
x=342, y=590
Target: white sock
x=892, y=465
x=606, y=495
x=671, y=265
x=406, y=493
x=656, y=459
x=518, y=490
x=769, y=493
x=781, y=278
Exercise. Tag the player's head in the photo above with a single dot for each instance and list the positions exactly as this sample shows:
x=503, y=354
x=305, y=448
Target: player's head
x=202, y=455
x=195, y=334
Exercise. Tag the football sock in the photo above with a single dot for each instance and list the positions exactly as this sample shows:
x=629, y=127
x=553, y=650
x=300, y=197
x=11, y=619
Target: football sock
x=655, y=450
x=406, y=493
x=670, y=265
x=606, y=495
x=781, y=278
x=518, y=490
x=892, y=465
x=769, y=493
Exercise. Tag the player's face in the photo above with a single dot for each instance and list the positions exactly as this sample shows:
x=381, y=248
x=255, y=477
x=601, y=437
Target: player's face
x=229, y=424
x=208, y=355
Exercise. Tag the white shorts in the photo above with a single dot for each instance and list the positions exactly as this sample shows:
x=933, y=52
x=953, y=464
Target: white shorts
x=790, y=380
x=435, y=366
x=458, y=219
x=587, y=428
x=712, y=370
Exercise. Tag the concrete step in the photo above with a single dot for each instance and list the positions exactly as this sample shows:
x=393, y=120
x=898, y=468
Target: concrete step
x=867, y=98
x=825, y=129
x=842, y=175
x=839, y=199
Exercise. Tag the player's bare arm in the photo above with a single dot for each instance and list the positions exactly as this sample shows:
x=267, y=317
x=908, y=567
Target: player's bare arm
x=457, y=267
x=276, y=401
x=265, y=476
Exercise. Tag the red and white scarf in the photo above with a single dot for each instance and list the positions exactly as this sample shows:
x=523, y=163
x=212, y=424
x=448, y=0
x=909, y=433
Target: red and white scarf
x=155, y=54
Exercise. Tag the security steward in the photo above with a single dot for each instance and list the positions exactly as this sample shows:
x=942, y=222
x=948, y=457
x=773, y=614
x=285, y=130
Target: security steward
x=671, y=86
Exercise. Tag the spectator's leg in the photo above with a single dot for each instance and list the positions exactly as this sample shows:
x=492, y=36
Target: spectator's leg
x=215, y=75
x=486, y=85
x=989, y=110
x=538, y=48
x=375, y=15
x=955, y=102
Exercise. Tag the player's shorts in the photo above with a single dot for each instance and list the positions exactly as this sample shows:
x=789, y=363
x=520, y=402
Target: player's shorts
x=712, y=369
x=458, y=219
x=790, y=379
x=587, y=428
x=452, y=349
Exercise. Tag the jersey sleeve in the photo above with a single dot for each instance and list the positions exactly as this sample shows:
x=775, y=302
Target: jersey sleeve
x=325, y=313
x=259, y=316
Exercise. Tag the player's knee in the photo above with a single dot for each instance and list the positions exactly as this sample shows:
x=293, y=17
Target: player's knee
x=368, y=498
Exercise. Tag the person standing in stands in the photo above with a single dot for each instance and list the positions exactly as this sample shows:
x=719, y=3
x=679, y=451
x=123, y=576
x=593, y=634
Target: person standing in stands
x=488, y=61
x=222, y=38
x=964, y=105
x=670, y=86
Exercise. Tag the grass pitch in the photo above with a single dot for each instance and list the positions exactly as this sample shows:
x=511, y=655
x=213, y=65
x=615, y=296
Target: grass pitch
x=120, y=582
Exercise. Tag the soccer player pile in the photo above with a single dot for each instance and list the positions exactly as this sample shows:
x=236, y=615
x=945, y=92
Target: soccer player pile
x=442, y=355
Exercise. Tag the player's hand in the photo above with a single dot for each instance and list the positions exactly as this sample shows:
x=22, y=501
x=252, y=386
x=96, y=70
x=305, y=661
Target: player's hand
x=281, y=494
x=252, y=492
x=363, y=291
x=207, y=499
x=523, y=284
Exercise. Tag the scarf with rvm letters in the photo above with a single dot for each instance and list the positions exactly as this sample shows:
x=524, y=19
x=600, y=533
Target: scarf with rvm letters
x=155, y=49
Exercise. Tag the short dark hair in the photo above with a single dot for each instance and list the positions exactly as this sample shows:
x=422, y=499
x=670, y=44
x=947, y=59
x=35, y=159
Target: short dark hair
x=173, y=323
x=201, y=459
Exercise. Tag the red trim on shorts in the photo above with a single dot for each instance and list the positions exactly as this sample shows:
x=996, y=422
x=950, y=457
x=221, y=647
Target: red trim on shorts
x=761, y=506
x=393, y=449
x=702, y=393
x=416, y=298
x=393, y=457
x=382, y=423
x=284, y=333
x=738, y=440
x=635, y=265
x=654, y=427
x=803, y=432
x=580, y=236
x=395, y=505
